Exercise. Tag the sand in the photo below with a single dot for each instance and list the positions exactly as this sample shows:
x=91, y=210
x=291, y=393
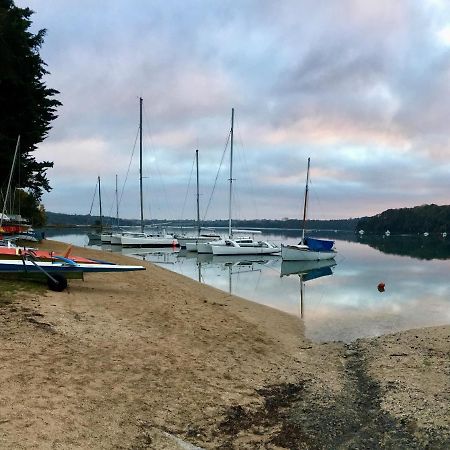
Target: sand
x=155, y=360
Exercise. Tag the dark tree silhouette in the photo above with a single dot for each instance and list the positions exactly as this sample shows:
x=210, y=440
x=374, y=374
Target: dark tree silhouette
x=27, y=106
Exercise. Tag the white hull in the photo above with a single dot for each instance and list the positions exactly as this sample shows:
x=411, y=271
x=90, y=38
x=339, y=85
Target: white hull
x=246, y=247
x=116, y=239
x=191, y=246
x=206, y=247
x=183, y=241
x=302, y=253
x=105, y=238
x=64, y=266
x=225, y=250
x=149, y=241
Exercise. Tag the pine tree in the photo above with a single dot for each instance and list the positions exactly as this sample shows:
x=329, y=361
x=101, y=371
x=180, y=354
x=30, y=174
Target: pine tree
x=27, y=105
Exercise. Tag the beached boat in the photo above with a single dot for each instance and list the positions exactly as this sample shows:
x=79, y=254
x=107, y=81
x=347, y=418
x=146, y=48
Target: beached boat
x=12, y=224
x=55, y=269
x=308, y=249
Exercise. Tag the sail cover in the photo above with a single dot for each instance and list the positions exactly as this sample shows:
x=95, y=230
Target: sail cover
x=319, y=245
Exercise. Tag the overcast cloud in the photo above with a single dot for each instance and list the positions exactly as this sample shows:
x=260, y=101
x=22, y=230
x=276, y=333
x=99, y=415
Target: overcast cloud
x=360, y=86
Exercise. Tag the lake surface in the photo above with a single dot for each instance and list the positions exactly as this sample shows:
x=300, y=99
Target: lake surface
x=335, y=302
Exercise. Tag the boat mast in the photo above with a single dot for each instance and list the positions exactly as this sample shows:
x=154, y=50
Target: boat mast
x=198, y=195
x=100, y=203
x=305, y=202
x=117, y=205
x=10, y=180
x=140, y=164
x=230, y=231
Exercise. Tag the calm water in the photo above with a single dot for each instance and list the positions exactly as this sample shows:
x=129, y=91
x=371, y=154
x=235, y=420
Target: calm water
x=341, y=302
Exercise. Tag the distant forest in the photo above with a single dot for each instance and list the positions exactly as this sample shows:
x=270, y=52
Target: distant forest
x=419, y=219
x=66, y=220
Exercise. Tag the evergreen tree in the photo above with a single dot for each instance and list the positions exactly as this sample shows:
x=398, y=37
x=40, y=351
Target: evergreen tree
x=27, y=106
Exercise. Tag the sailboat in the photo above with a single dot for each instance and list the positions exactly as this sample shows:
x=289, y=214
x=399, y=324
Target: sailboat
x=308, y=249
x=144, y=239
x=97, y=235
x=190, y=242
x=56, y=269
x=239, y=246
x=14, y=226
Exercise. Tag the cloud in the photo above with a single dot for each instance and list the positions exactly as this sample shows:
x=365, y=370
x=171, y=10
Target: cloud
x=361, y=87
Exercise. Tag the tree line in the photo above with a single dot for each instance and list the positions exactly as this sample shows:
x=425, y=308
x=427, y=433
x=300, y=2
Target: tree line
x=419, y=219
x=61, y=219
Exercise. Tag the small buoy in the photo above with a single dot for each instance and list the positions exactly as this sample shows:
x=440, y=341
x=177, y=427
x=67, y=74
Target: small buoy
x=380, y=287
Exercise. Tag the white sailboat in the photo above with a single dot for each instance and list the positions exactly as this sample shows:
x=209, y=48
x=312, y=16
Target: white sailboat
x=238, y=246
x=144, y=239
x=105, y=236
x=308, y=249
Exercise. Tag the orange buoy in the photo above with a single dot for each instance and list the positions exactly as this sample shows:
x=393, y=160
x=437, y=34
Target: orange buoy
x=380, y=287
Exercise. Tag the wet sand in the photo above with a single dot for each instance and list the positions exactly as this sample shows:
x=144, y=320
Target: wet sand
x=155, y=360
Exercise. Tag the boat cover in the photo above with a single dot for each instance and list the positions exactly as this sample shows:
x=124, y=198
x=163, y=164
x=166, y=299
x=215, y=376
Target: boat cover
x=319, y=245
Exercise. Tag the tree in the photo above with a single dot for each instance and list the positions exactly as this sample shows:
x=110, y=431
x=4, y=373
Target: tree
x=27, y=106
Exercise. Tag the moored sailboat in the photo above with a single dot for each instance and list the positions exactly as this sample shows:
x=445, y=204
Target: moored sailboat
x=308, y=249
x=190, y=242
x=236, y=246
x=142, y=238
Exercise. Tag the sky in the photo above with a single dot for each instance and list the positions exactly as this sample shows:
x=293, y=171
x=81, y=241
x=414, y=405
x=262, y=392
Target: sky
x=362, y=87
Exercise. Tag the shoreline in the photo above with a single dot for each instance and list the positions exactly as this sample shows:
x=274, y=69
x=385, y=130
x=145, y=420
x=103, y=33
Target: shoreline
x=154, y=359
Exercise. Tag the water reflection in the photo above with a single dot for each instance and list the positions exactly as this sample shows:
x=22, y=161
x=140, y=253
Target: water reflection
x=417, y=246
x=342, y=305
x=306, y=271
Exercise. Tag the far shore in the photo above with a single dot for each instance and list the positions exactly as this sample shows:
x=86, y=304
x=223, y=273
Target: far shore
x=155, y=360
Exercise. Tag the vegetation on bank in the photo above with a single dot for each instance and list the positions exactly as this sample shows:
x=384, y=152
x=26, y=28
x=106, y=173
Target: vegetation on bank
x=27, y=108
x=65, y=220
x=419, y=219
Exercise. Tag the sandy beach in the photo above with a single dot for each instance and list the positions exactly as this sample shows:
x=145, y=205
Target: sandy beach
x=155, y=360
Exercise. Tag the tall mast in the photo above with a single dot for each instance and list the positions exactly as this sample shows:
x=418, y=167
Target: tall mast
x=10, y=180
x=230, y=231
x=117, y=204
x=198, y=195
x=305, y=202
x=100, y=203
x=140, y=164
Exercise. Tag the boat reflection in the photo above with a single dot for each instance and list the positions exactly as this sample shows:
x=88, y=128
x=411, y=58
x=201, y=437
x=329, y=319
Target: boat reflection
x=234, y=264
x=307, y=271
x=157, y=255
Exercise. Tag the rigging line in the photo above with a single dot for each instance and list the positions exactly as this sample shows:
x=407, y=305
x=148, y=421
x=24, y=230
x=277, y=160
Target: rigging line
x=129, y=165
x=152, y=148
x=188, y=187
x=248, y=180
x=217, y=175
x=93, y=197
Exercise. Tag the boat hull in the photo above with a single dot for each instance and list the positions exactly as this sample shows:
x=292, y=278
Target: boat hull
x=183, y=241
x=254, y=250
x=129, y=241
x=300, y=253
